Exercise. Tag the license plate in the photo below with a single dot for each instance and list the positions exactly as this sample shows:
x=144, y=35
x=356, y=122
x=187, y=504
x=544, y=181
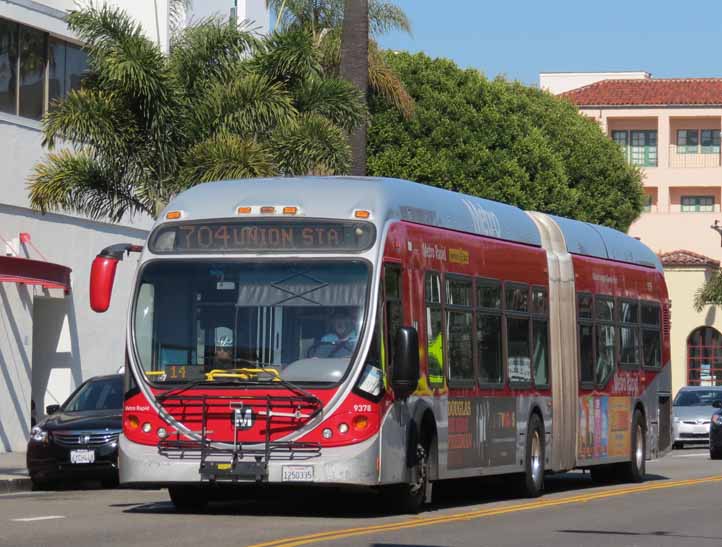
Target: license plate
x=297, y=473
x=82, y=456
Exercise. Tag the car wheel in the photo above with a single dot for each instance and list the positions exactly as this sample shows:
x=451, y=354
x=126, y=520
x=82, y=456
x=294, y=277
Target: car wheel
x=188, y=498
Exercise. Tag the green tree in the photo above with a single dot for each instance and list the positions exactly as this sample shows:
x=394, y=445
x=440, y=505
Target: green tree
x=709, y=294
x=222, y=104
x=503, y=141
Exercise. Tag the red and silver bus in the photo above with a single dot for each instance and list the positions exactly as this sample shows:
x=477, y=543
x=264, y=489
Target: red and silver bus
x=381, y=333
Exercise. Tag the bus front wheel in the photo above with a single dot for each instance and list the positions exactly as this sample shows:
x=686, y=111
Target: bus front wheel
x=188, y=498
x=635, y=469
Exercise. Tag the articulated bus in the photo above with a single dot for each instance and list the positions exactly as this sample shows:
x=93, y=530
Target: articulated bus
x=379, y=333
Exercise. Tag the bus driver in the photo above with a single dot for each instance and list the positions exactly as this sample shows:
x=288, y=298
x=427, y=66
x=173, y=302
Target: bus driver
x=341, y=341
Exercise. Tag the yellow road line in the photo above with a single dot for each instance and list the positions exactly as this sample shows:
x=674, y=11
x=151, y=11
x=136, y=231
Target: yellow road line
x=481, y=513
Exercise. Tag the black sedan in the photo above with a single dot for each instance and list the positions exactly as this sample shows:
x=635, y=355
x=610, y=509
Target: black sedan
x=715, y=432
x=79, y=439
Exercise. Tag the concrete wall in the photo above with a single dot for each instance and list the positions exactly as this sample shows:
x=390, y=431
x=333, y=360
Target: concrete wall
x=254, y=12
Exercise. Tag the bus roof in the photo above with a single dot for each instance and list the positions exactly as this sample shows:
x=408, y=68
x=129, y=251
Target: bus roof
x=396, y=199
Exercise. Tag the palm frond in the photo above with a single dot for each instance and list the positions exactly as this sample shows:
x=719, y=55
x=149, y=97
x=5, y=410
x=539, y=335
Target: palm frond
x=338, y=100
x=78, y=182
x=225, y=156
x=384, y=82
x=385, y=17
x=312, y=145
x=89, y=117
x=289, y=55
x=709, y=294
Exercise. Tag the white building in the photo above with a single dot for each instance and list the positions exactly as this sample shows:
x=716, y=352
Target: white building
x=50, y=341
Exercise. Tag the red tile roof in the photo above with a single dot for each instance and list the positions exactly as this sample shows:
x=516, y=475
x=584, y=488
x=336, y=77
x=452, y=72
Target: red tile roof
x=648, y=92
x=682, y=257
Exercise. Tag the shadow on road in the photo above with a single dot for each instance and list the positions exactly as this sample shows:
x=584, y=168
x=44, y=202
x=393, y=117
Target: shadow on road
x=332, y=502
x=647, y=534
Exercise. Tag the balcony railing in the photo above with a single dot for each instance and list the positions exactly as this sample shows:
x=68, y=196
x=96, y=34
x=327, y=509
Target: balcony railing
x=678, y=158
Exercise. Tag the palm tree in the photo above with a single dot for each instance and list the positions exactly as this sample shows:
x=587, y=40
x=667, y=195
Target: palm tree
x=324, y=20
x=222, y=104
x=355, y=69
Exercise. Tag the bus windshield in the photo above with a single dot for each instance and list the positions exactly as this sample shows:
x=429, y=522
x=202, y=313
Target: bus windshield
x=298, y=320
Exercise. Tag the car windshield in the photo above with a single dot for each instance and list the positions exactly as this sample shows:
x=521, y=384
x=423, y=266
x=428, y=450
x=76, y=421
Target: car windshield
x=299, y=321
x=698, y=397
x=105, y=394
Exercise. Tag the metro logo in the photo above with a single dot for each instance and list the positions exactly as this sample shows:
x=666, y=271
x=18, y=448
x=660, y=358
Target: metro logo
x=243, y=418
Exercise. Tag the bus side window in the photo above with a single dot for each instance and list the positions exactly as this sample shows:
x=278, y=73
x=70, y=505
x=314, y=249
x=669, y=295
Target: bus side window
x=651, y=336
x=606, y=339
x=540, y=335
x=517, y=332
x=488, y=332
x=629, y=333
x=394, y=312
x=434, y=329
x=585, y=319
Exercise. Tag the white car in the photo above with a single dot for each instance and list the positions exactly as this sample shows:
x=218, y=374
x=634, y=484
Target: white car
x=692, y=412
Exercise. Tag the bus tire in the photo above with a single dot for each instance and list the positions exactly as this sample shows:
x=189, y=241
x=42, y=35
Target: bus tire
x=635, y=469
x=533, y=484
x=409, y=498
x=188, y=498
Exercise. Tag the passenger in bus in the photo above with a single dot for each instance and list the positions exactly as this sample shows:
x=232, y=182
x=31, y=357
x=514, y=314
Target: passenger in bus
x=341, y=340
x=223, y=353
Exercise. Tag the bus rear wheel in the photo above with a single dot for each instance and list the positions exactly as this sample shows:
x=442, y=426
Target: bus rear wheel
x=188, y=498
x=635, y=469
x=533, y=483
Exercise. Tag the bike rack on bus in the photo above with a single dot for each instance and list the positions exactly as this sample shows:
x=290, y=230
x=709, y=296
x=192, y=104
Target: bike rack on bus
x=230, y=460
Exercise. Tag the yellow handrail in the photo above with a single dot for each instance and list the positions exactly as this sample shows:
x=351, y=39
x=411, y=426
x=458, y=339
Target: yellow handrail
x=242, y=373
x=154, y=372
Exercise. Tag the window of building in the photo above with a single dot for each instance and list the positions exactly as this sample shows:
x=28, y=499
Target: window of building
x=704, y=357
x=622, y=139
x=687, y=141
x=651, y=335
x=629, y=333
x=35, y=69
x=697, y=204
x=647, y=203
x=459, y=328
x=710, y=141
x=643, y=148
x=517, y=332
x=488, y=331
x=434, y=329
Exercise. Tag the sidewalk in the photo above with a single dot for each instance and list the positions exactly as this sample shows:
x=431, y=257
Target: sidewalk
x=13, y=473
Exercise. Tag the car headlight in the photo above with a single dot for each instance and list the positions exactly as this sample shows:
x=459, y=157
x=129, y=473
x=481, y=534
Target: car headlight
x=38, y=434
x=717, y=419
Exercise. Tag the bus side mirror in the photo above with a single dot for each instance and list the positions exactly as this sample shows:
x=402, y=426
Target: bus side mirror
x=102, y=277
x=405, y=375
x=102, y=274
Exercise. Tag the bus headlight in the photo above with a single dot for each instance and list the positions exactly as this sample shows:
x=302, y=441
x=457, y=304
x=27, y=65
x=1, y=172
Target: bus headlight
x=327, y=433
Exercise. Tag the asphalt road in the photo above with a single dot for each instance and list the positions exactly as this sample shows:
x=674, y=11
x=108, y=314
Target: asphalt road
x=678, y=505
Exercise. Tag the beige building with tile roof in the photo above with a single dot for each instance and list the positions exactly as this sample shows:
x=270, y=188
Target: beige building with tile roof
x=670, y=128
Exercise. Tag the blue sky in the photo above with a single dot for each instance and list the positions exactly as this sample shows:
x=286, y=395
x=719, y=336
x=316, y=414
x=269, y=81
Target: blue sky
x=520, y=38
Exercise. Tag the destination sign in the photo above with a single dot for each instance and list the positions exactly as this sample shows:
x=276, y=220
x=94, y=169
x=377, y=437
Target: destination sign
x=262, y=236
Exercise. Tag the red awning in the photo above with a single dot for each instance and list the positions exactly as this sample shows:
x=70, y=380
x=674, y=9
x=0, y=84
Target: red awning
x=34, y=272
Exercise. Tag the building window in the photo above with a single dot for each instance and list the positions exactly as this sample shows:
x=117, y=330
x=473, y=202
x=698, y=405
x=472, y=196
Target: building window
x=697, y=204
x=622, y=139
x=35, y=69
x=643, y=148
x=710, y=141
x=647, y=203
x=687, y=141
x=704, y=357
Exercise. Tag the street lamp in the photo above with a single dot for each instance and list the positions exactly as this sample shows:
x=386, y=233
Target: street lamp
x=717, y=228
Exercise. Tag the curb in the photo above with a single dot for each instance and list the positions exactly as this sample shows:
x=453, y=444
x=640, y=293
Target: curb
x=20, y=484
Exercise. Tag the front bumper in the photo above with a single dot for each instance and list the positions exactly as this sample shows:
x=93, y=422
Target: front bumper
x=349, y=465
x=51, y=461
x=690, y=433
